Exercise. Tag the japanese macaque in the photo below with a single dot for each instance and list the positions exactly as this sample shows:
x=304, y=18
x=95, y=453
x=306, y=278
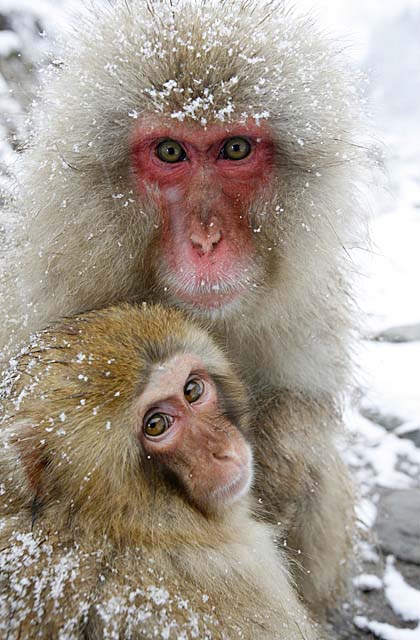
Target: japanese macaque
x=203, y=155
x=126, y=467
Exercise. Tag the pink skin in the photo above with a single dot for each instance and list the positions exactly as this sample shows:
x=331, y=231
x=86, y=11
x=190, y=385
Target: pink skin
x=207, y=245
x=210, y=457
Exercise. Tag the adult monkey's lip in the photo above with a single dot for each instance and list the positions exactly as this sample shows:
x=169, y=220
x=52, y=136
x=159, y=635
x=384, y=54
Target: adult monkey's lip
x=210, y=290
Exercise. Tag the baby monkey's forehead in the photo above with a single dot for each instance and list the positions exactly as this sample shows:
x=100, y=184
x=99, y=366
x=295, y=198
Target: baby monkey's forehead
x=170, y=375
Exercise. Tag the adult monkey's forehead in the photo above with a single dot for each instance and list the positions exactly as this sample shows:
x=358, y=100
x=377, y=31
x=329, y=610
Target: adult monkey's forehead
x=211, y=63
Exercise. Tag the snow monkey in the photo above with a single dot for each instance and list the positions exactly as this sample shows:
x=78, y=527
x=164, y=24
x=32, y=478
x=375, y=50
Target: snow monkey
x=126, y=470
x=202, y=154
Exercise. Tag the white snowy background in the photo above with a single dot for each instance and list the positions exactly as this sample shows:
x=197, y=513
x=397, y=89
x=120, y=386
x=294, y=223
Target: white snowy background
x=383, y=36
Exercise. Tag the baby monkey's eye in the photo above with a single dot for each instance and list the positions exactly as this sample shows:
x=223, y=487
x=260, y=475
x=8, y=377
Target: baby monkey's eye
x=193, y=390
x=157, y=424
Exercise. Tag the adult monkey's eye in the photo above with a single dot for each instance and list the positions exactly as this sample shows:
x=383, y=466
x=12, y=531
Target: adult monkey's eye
x=193, y=390
x=157, y=424
x=235, y=149
x=170, y=151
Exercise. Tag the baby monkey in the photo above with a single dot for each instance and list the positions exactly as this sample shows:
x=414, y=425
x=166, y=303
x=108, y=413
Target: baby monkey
x=125, y=476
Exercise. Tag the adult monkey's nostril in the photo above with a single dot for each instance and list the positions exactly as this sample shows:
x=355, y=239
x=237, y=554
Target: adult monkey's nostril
x=206, y=241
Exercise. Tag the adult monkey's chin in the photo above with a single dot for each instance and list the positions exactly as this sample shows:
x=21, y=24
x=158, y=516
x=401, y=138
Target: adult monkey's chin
x=207, y=301
x=219, y=289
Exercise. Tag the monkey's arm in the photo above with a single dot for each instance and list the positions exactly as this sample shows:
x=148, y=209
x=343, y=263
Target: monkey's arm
x=306, y=488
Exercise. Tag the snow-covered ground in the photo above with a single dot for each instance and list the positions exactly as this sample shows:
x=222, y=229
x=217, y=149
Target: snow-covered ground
x=385, y=427
x=384, y=424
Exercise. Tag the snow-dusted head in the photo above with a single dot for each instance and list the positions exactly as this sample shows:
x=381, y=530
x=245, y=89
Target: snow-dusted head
x=198, y=153
x=115, y=414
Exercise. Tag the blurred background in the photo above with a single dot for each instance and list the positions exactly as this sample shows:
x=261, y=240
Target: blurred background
x=382, y=38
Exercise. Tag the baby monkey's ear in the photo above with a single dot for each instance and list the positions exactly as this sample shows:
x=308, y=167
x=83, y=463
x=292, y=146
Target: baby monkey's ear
x=31, y=456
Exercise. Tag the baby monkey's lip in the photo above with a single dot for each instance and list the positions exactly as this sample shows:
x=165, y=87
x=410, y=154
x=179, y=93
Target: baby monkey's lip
x=236, y=488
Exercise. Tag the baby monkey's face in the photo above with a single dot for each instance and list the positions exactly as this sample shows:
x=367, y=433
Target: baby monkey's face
x=125, y=408
x=182, y=426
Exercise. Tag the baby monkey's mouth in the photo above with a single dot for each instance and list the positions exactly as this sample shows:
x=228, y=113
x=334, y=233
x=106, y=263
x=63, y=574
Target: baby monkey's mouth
x=238, y=485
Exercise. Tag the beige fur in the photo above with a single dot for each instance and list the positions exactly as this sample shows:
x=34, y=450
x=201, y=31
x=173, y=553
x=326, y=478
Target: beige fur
x=88, y=240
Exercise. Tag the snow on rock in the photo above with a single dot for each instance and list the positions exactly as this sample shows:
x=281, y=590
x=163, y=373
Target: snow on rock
x=367, y=582
x=392, y=377
x=380, y=458
x=386, y=631
x=404, y=600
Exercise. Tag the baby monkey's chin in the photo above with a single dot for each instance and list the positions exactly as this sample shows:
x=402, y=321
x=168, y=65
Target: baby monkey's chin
x=234, y=490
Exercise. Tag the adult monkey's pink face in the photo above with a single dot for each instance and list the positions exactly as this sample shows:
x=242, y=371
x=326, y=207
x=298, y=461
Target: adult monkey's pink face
x=202, y=181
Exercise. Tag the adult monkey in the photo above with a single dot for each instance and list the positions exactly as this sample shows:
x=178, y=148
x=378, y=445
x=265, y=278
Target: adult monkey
x=201, y=154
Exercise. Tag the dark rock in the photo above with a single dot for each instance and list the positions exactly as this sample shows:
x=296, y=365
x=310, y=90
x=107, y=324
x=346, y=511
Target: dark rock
x=4, y=22
x=413, y=435
x=387, y=421
x=390, y=422
x=407, y=333
x=398, y=524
